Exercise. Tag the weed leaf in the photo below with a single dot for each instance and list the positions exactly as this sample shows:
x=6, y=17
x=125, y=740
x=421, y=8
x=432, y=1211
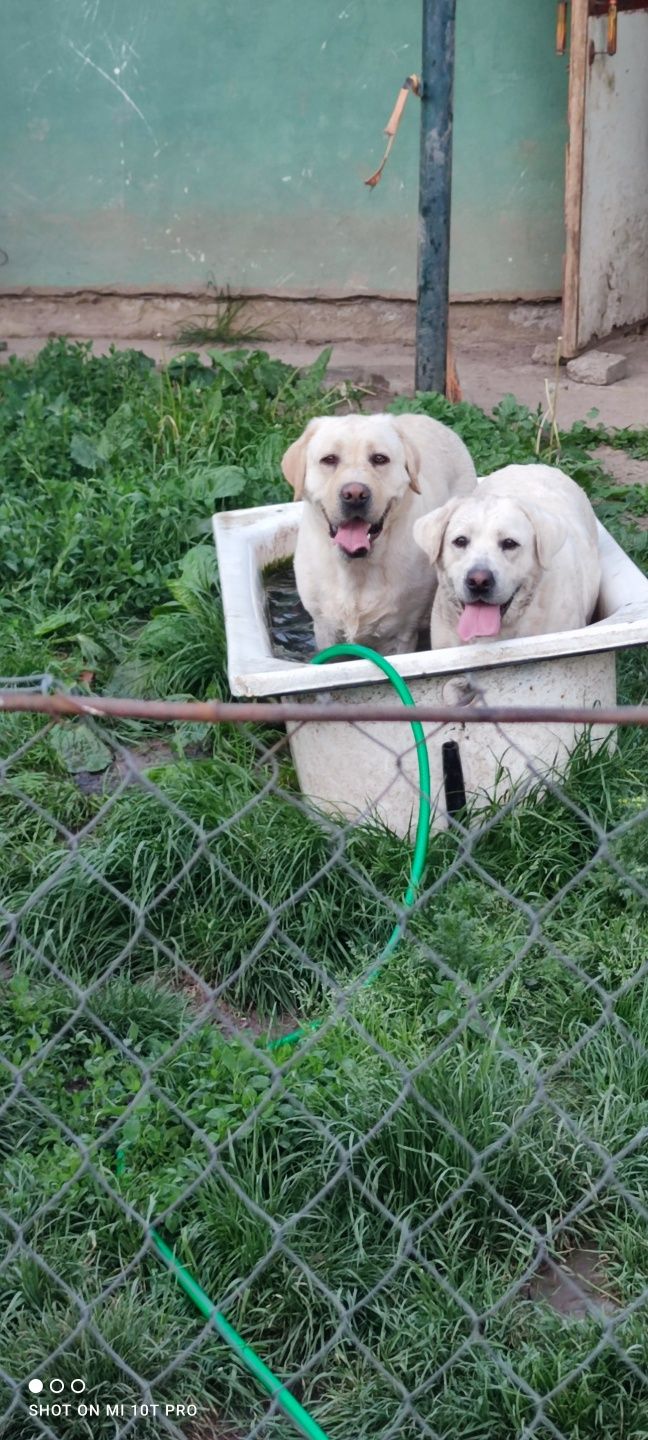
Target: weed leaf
x=217, y=482
x=80, y=749
x=86, y=452
x=198, y=569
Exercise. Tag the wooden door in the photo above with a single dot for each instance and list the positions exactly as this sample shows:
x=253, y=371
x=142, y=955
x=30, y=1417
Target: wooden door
x=606, y=188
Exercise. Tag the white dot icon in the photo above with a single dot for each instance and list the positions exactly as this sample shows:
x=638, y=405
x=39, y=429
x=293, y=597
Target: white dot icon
x=35, y=1386
x=78, y=1386
x=56, y=1386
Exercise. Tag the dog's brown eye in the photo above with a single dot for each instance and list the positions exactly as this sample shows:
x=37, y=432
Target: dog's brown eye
x=510, y=544
x=460, y=541
x=329, y=460
x=379, y=459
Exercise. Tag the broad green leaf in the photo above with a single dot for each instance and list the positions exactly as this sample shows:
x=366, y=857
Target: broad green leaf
x=80, y=748
x=188, y=360
x=217, y=482
x=58, y=620
x=198, y=570
x=131, y=1130
x=86, y=452
x=318, y=369
x=226, y=360
x=106, y=444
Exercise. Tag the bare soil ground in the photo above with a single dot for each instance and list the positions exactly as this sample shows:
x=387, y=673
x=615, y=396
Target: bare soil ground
x=493, y=346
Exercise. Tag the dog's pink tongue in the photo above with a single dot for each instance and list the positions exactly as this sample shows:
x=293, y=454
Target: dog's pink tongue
x=353, y=535
x=479, y=619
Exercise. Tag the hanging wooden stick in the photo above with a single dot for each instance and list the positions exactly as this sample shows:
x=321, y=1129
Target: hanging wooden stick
x=410, y=86
x=561, y=27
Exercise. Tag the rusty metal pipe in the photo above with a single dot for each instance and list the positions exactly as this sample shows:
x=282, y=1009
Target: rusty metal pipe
x=107, y=707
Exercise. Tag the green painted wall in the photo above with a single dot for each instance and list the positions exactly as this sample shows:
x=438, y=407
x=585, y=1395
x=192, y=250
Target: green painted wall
x=158, y=142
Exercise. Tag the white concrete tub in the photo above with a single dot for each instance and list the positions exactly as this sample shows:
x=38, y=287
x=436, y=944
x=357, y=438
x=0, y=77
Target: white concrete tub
x=372, y=769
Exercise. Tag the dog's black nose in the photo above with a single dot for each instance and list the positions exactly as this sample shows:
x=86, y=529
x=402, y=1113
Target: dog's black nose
x=479, y=582
x=355, y=497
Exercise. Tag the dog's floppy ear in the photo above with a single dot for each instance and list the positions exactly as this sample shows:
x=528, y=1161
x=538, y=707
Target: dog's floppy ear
x=293, y=463
x=412, y=457
x=430, y=529
x=550, y=533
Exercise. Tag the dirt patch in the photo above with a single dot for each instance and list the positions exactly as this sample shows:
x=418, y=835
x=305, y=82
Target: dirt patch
x=620, y=466
x=214, y=1427
x=624, y=470
x=229, y=1019
x=579, y=1290
x=376, y=392
x=146, y=757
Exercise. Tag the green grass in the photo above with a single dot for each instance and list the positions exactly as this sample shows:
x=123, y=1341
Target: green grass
x=528, y=1048
x=111, y=471
x=224, y=324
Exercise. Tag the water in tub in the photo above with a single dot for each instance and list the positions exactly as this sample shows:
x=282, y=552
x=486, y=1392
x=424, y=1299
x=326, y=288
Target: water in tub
x=289, y=624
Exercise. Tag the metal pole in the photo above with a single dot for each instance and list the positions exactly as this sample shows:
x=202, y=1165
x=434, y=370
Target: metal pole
x=215, y=712
x=435, y=177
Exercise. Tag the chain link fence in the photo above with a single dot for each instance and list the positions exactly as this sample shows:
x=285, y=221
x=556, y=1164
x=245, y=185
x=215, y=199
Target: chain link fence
x=398, y=1146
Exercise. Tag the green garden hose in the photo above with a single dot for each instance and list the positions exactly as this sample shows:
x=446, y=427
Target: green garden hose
x=249, y=1358
x=362, y=652
x=282, y=1397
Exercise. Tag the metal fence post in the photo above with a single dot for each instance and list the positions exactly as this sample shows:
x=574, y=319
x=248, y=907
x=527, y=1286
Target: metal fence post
x=435, y=178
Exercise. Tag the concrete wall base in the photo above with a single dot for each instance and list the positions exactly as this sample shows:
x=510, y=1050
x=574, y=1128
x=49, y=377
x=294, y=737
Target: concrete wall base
x=163, y=314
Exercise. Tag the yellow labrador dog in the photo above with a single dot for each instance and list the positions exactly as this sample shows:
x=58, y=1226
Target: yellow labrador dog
x=364, y=480
x=520, y=557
